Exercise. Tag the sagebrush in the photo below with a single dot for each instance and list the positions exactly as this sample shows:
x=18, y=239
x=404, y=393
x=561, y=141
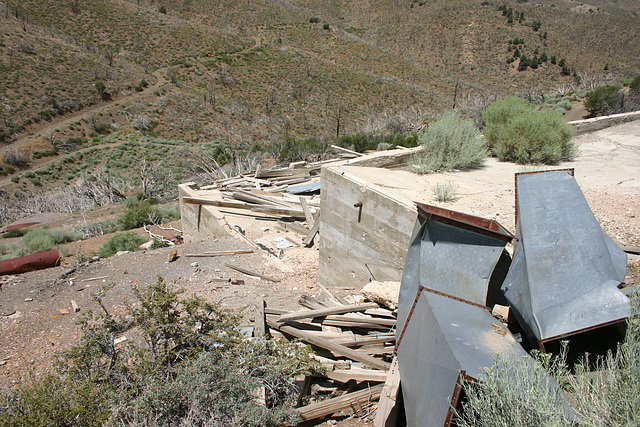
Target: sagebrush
x=450, y=142
x=517, y=132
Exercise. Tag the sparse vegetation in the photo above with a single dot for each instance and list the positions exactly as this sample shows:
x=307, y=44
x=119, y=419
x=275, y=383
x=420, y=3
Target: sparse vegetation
x=517, y=132
x=119, y=242
x=450, y=142
x=194, y=368
x=445, y=191
x=44, y=240
x=530, y=393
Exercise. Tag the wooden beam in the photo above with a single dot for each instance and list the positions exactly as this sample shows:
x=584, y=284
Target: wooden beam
x=344, y=150
x=387, y=411
x=251, y=272
x=307, y=212
x=333, y=405
x=329, y=345
x=310, y=314
x=357, y=374
x=314, y=230
x=261, y=319
x=220, y=253
x=297, y=213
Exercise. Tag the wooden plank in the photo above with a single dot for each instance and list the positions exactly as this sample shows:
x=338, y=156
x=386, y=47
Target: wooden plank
x=310, y=314
x=251, y=272
x=363, y=319
x=261, y=319
x=354, y=153
x=296, y=228
x=329, y=345
x=357, y=374
x=307, y=212
x=387, y=412
x=333, y=405
x=314, y=230
x=359, y=340
x=297, y=213
x=220, y=253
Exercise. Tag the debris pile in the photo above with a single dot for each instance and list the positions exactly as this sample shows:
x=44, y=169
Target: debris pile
x=290, y=195
x=353, y=340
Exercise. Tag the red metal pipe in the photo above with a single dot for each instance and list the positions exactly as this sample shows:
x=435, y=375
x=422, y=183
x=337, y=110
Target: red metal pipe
x=32, y=262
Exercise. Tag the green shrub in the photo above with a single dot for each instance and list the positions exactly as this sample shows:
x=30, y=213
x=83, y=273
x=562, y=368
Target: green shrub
x=293, y=150
x=39, y=241
x=604, y=100
x=15, y=232
x=52, y=401
x=137, y=215
x=516, y=132
x=127, y=241
x=445, y=191
x=193, y=366
x=44, y=240
x=450, y=142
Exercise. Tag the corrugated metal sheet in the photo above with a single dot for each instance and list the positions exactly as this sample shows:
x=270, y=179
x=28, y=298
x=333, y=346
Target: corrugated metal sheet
x=565, y=270
x=453, y=253
x=446, y=341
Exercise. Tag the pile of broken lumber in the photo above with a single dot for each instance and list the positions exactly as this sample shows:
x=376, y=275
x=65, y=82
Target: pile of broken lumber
x=288, y=193
x=354, y=342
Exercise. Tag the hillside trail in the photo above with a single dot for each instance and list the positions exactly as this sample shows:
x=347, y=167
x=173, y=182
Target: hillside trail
x=80, y=115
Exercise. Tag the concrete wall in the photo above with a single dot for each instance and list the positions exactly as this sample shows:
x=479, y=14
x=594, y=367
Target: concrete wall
x=198, y=222
x=598, y=123
x=358, y=245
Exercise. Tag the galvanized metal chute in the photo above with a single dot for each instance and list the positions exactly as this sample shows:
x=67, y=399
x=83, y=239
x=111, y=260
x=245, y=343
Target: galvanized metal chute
x=445, y=342
x=565, y=272
x=459, y=254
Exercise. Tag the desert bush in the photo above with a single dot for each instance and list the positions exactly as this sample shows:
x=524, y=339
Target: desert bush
x=38, y=241
x=445, y=191
x=450, y=142
x=362, y=141
x=516, y=132
x=15, y=158
x=189, y=363
x=137, y=215
x=44, y=240
x=15, y=232
x=127, y=241
x=293, y=150
x=52, y=401
x=603, y=392
x=604, y=100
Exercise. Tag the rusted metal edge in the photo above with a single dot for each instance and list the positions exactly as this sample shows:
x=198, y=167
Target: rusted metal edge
x=23, y=264
x=542, y=342
x=457, y=393
x=487, y=227
x=17, y=226
x=415, y=302
x=515, y=180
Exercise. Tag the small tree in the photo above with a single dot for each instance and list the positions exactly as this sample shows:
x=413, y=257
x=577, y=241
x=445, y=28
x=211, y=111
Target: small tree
x=450, y=142
x=517, y=132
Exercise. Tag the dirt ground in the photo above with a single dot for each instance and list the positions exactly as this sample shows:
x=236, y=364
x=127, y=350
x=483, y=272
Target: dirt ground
x=36, y=314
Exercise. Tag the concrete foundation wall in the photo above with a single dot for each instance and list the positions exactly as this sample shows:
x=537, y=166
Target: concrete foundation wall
x=360, y=244
x=198, y=222
x=598, y=123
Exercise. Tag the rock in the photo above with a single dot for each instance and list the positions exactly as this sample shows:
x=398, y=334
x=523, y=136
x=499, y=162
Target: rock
x=146, y=246
x=384, y=293
x=121, y=253
x=501, y=312
x=194, y=264
x=63, y=311
x=173, y=255
x=75, y=306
